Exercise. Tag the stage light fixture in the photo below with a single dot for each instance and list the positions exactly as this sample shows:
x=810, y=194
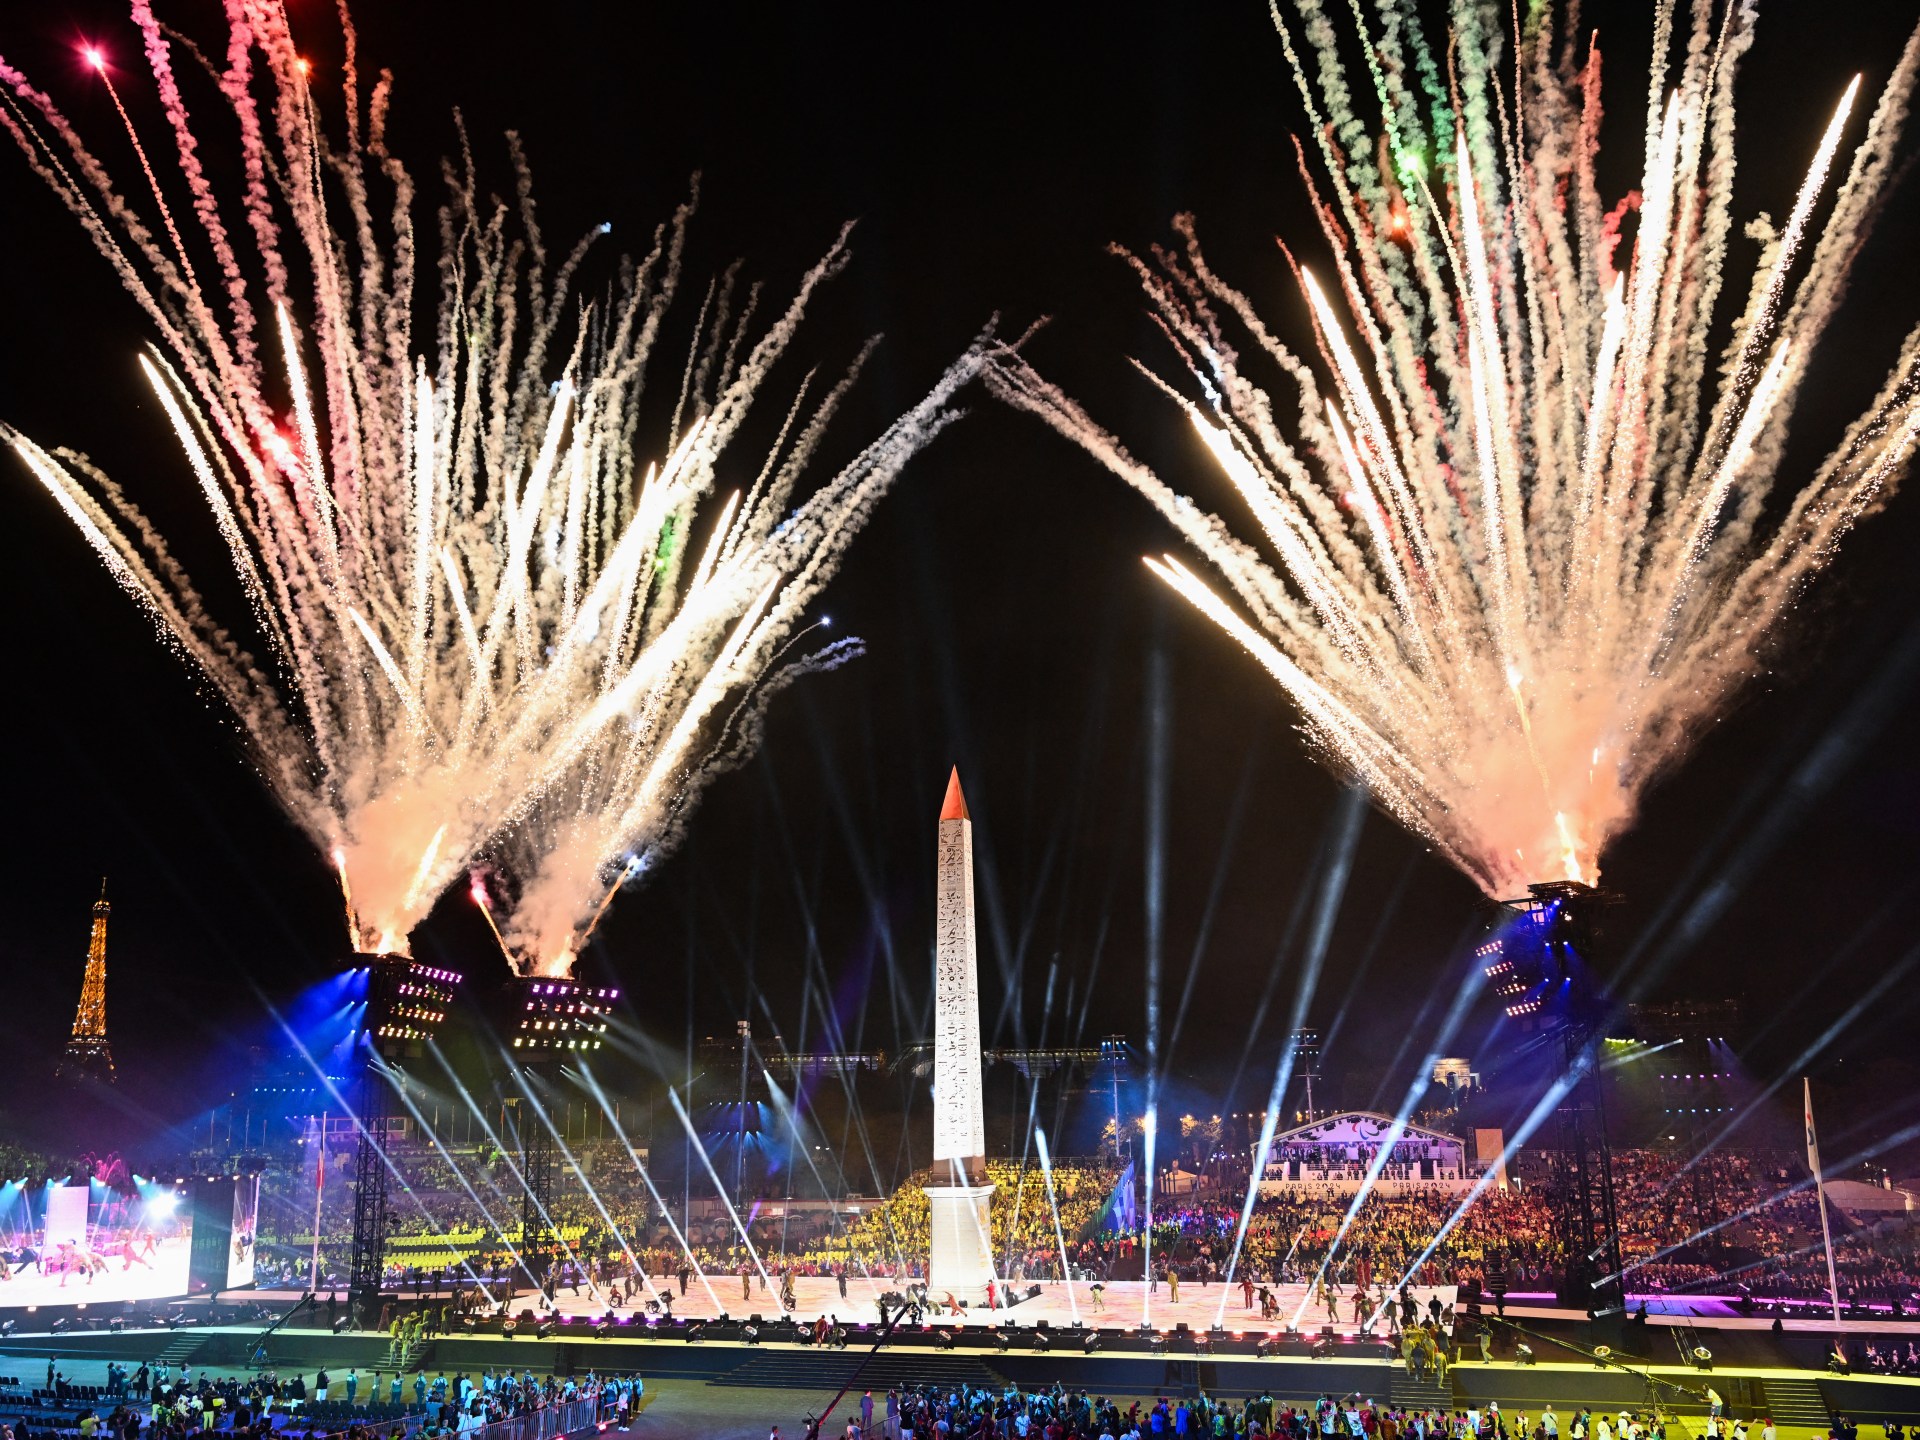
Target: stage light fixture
x=6, y=1326
x=1042, y=1342
x=1702, y=1358
x=1157, y=1343
x=544, y=1330
x=944, y=1338
x=1264, y=1350
x=1523, y=1353
x=1002, y=1341
x=60, y=1326
x=1091, y=1343
x=340, y=1325
x=750, y=1333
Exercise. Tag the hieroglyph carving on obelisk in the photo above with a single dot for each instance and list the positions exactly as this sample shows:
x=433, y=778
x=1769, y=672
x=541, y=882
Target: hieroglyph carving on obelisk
x=959, y=1129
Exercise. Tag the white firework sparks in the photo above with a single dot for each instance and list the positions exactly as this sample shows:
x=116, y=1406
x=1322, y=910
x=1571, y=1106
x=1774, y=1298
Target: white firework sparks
x=1525, y=533
x=469, y=591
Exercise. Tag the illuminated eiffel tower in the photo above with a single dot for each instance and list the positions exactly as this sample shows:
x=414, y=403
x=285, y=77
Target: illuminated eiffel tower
x=88, y=1056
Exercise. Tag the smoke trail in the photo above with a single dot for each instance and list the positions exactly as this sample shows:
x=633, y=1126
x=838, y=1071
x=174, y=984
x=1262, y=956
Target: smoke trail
x=1520, y=545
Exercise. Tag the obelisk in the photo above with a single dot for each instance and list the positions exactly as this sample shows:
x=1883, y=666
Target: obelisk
x=960, y=1257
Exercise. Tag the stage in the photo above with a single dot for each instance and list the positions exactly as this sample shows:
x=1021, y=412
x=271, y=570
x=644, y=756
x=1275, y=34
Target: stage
x=1120, y=1303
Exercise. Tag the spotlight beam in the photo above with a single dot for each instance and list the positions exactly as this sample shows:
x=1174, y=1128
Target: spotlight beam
x=1343, y=842
x=504, y=1150
x=573, y=1164
x=465, y=1184
x=721, y=1190
x=1463, y=999
x=647, y=1179
x=1066, y=1271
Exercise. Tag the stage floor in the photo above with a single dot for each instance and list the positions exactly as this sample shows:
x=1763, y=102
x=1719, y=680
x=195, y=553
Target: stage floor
x=1122, y=1303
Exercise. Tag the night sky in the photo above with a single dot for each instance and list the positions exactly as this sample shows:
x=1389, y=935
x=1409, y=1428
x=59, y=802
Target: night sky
x=990, y=152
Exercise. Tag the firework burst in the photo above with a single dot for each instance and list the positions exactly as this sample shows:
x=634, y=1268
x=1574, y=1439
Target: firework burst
x=474, y=601
x=1522, y=539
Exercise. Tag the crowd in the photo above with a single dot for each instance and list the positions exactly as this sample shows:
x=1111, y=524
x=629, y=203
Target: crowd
x=156, y=1403
x=935, y=1413
x=1732, y=1222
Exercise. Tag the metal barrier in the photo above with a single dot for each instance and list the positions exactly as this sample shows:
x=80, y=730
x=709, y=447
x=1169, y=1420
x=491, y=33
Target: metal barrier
x=548, y=1424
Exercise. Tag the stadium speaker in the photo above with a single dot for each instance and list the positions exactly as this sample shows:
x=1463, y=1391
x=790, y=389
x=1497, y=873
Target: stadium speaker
x=1702, y=1358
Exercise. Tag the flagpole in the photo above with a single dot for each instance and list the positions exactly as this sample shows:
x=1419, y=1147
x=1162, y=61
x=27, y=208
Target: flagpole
x=319, y=1193
x=1820, y=1190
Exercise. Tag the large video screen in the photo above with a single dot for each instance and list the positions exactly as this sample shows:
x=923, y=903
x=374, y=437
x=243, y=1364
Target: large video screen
x=246, y=1218
x=67, y=1243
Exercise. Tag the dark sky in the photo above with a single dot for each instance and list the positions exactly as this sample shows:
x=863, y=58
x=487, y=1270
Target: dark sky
x=990, y=152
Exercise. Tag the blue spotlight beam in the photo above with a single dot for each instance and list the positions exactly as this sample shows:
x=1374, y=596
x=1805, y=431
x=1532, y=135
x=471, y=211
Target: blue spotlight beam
x=1464, y=997
x=474, y=1195
x=721, y=1191
x=593, y=1290
x=784, y=1108
x=359, y=1125
x=1889, y=977
x=505, y=1151
x=619, y=1130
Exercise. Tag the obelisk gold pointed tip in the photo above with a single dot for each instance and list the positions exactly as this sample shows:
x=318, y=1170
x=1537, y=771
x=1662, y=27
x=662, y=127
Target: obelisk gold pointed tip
x=955, y=807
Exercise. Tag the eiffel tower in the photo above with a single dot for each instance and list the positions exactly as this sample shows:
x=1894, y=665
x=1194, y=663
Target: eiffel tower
x=88, y=1056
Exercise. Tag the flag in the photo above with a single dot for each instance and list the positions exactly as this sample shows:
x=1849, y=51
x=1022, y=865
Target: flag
x=1813, y=1141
